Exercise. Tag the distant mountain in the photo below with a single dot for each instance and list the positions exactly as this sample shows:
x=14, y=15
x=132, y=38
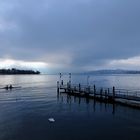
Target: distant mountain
x=117, y=71
x=17, y=71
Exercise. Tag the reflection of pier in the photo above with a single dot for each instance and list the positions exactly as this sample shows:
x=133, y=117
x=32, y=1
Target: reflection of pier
x=94, y=104
x=110, y=95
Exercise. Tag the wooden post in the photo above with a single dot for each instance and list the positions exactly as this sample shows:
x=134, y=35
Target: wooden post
x=101, y=91
x=113, y=93
x=79, y=87
x=94, y=88
x=62, y=82
x=57, y=86
x=68, y=88
x=60, y=76
x=70, y=78
x=105, y=94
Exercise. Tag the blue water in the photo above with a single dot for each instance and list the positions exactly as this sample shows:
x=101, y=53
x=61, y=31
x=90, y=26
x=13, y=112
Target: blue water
x=24, y=112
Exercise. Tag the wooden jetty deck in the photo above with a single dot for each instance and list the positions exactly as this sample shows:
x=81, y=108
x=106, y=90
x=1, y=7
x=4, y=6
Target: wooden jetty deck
x=111, y=95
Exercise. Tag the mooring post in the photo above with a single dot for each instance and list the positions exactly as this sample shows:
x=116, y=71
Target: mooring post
x=67, y=86
x=79, y=87
x=60, y=76
x=57, y=86
x=101, y=91
x=70, y=78
x=105, y=94
x=62, y=82
x=113, y=93
x=94, y=88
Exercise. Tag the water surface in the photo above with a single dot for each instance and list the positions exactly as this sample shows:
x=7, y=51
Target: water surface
x=24, y=112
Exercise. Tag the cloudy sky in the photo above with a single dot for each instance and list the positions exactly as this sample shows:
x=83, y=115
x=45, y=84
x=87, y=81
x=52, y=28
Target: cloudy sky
x=70, y=35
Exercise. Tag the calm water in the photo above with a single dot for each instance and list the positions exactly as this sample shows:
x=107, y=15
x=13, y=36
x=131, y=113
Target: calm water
x=24, y=112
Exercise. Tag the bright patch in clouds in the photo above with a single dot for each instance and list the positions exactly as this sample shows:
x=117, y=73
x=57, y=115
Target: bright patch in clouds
x=10, y=63
x=130, y=63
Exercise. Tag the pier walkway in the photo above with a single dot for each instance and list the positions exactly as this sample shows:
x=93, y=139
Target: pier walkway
x=123, y=96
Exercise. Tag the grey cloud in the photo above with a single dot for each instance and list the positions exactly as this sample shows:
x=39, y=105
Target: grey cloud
x=92, y=31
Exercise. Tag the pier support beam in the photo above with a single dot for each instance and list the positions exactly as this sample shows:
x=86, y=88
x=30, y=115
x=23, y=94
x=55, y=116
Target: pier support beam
x=105, y=94
x=101, y=92
x=113, y=93
x=94, y=88
x=62, y=82
x=58, y=87
x=79, y=88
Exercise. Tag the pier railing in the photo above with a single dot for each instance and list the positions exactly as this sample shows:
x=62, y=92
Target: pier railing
x=100, y=92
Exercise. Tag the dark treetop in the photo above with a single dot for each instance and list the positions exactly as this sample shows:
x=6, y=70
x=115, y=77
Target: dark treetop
x=16, y=71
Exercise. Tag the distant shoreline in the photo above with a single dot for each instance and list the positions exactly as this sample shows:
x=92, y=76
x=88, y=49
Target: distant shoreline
x=14, y=71
x=118, y=71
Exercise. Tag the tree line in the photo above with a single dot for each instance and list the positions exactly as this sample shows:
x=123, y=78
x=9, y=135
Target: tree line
x=17, y=71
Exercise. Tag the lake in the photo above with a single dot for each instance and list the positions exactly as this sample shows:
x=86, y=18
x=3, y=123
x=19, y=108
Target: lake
x=24, y=112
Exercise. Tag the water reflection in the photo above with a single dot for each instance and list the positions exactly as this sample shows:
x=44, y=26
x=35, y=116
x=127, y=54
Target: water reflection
x=69, y=99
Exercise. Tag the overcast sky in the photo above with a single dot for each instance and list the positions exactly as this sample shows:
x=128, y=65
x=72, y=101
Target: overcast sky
x=70, y=35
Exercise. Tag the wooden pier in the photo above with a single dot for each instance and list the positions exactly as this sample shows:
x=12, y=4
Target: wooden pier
x=110, y=95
